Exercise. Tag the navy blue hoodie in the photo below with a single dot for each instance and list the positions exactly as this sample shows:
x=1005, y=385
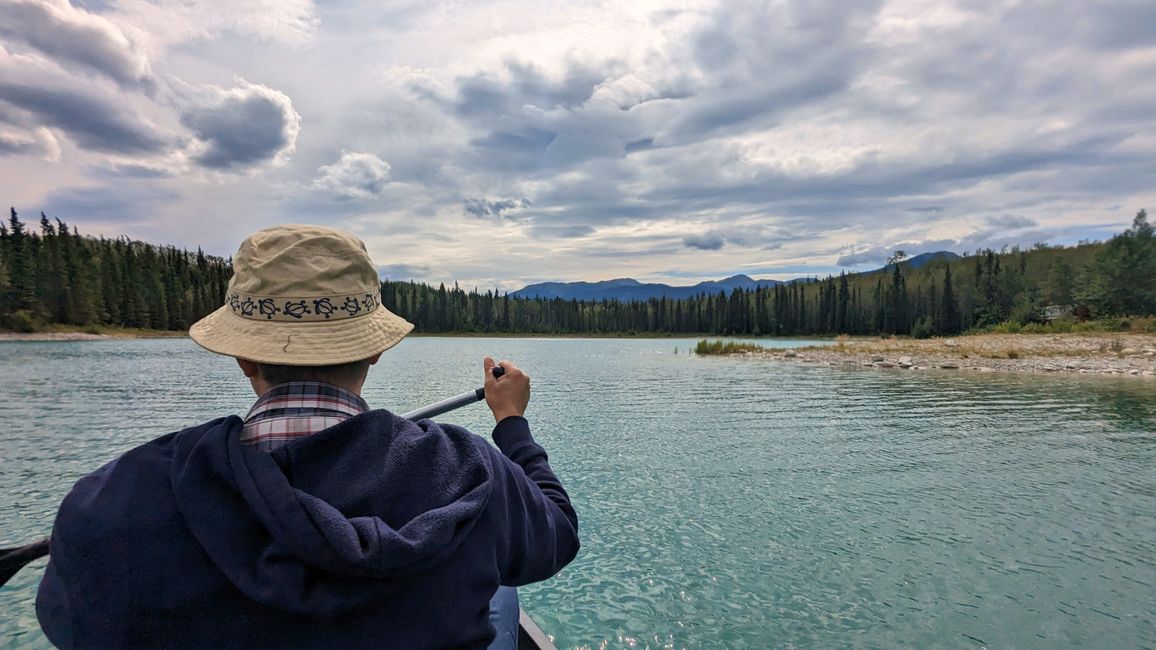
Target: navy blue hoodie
x=377, y=532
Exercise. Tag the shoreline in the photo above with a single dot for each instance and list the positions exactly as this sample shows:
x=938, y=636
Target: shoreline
x=110, y=334
x=1108, y=354
x=1121, y=355
x=103, y=335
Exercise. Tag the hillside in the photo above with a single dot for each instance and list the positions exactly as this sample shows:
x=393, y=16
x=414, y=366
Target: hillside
x=629, y=289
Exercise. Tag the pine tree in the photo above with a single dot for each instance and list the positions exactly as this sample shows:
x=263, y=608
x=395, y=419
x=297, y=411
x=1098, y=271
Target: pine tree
x=948, y=309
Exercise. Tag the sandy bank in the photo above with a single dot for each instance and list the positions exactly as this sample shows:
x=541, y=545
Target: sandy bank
x=1101, y=354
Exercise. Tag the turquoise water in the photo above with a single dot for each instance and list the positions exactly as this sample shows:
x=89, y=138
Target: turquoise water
x=723, y=502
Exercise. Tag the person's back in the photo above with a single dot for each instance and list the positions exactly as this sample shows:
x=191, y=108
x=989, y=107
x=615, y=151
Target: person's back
x=372, y=531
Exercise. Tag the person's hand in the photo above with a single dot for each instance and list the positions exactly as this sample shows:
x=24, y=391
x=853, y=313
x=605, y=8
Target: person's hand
x=509, y=394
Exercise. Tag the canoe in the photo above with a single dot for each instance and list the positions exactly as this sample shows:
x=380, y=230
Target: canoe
x=530, y=636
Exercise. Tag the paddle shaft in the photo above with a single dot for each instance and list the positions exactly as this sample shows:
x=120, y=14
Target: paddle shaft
x=455, y=402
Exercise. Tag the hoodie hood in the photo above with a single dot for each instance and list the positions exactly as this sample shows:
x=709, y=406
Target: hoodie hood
x=316, y=525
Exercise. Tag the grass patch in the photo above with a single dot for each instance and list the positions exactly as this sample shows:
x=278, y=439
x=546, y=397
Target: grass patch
x=1134, y=324
x=725, y=347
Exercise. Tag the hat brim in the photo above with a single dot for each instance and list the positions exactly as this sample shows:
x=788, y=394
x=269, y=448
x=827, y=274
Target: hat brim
x=325, y=343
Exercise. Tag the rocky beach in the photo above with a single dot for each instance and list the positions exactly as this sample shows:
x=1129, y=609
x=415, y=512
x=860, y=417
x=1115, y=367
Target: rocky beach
x=1123, y=354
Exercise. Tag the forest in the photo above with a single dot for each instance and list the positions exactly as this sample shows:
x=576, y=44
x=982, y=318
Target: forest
x=56, y=276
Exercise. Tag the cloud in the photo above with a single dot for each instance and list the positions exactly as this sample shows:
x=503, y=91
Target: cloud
x=639, y=145
x=1011, y=222
x=403, y=271
x=483, y=208
x=91, y=118
x=75, y=37
x=649, y=136
x=705, y=242
x=875, y=256
x=38, y=142
x=354, y=175
x=243, y=127
x=123, y=203
x=168, y=23
x=547, y=231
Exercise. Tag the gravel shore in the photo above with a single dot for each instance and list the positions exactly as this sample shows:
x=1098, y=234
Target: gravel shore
x=1097, y=354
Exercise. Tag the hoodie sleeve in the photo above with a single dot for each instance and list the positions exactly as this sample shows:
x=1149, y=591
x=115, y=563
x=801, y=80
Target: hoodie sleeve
x=542, y=525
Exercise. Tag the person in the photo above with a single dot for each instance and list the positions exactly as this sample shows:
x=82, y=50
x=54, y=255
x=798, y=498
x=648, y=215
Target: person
x=314, y=521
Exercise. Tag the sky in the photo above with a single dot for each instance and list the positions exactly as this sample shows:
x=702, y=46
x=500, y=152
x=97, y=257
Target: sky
x=501, y=143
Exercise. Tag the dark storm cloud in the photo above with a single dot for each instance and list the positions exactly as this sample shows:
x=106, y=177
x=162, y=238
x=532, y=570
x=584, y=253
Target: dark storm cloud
x=92, y=120
x=704, y=242
x=76, y=37
x=243, y=127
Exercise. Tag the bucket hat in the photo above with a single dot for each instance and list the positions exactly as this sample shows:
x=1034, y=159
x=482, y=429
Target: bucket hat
x=301, y=296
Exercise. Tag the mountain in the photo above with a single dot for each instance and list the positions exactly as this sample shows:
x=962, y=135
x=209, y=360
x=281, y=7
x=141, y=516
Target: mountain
x=919, y=261
x=923, y=259
x=627, y=289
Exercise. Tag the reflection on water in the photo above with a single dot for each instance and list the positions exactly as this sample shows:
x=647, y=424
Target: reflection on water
x=724, y=502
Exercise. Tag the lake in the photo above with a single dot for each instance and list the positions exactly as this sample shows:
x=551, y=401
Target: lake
x=723, y=502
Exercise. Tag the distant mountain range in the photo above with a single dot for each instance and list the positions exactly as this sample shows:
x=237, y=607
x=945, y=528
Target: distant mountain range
x=924, y=259
x=627, y=289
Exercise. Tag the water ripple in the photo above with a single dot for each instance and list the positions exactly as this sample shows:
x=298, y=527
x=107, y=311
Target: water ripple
x=724, y=502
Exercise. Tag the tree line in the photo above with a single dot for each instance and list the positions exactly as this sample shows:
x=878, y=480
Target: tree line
x=58, y=276
x=55, y=275
x=1091, y=280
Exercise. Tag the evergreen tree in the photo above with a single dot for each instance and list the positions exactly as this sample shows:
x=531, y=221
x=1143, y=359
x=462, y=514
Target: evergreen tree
x=948, y=308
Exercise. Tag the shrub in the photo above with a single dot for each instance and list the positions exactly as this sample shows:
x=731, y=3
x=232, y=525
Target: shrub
x=724, y=347
x=922, y=329
x=22, y=321
x=1116, y=324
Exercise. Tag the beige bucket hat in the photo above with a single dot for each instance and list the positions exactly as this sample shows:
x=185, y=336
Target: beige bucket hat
x=301, y=296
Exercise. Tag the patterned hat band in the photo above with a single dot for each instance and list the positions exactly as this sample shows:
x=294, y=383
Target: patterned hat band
x=300, y=310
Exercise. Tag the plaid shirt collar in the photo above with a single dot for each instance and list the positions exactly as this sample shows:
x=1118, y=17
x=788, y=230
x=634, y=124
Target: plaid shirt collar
x=297, y=409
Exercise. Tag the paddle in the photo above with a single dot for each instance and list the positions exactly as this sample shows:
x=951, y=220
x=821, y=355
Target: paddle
x=455, y=402
x=15, y=558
